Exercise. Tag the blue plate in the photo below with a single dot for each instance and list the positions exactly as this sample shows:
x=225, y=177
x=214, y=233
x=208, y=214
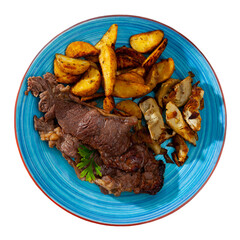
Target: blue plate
x=51, y=172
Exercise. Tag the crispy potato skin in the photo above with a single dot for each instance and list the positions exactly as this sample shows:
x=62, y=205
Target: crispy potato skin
x=128, y=58
x=130, y=108
x=108, y=104
x=153, y=57
x=146, y=42
x=108, y=63
x=80, y=49
x=124, y=89
x=71, y=65
x=131, y=77
x=63, y=77
x=109, y=38
x=89, y=83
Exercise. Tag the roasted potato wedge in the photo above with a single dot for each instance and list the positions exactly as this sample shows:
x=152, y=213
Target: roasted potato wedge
x=175, y=120
x=89, y=83
x=181, y=92
x=108, y=104
x=139, y=70
x=108, y=62
x=153, y=57
x=128, y=58
x=94, y=59
x=146, y=42
x=71, y=65
x=181, y=150
x=165, y=89
x=93, y=96
x=109, y=38
x=160, y=72
x=131, y=77
x=124, y=89
x=191, y=109
x=124, y=61
x=80, y=49
x=130, y=108
x=63, y=77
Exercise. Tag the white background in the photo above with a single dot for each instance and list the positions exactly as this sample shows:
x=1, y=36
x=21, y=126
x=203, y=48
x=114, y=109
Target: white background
x=26, y=26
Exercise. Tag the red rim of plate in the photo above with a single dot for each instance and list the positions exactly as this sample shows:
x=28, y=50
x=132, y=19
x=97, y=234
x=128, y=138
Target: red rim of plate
x=133, y=224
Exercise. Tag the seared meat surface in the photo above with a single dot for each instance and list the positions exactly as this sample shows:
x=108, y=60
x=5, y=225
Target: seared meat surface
x=69, y=123
x=107, y=134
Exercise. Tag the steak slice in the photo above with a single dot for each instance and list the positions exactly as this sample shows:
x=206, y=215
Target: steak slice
x=110, y=134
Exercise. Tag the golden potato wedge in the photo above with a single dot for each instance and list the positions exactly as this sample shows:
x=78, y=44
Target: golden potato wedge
x=89, y=83
x=108, y=63
x=63, y=77
x=146, y=42
x=175, y=120
x=165, y=89
x=109, y=38
x=80, y=49
x=124, y=89
x=153, y=57
x=130, y=108
x=131, y=77
x=152, y=78
x=181, y=150
x=93, y=64
x=108, y=104
x=72, y=65
x=181, y=92
x=160, y=72
x=93, y=96
x=139, y=70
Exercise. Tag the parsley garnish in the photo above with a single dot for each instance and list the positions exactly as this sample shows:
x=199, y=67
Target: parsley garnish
x=87, y=162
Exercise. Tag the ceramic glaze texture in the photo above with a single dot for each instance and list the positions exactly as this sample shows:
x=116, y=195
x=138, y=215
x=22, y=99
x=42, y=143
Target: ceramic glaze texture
x=57, y=179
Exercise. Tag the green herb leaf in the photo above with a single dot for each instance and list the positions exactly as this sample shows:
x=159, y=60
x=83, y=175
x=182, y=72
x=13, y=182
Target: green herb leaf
x=87, y=162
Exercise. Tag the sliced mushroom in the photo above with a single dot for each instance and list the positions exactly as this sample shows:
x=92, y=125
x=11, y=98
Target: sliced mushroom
x=166, y=134
x=152, y=113
x=191, y=109
x=175, y=120
x=181, y=92
x=181, y=150
x=165, y=89
x=153, y=117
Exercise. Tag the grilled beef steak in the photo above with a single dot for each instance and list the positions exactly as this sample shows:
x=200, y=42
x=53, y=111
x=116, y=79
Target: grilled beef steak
x=68, y=123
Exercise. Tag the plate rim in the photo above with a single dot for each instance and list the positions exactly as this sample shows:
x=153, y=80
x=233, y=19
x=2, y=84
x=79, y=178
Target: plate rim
x=109, y=16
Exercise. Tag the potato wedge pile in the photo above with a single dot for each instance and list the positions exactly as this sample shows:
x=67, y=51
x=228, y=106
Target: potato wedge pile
x=101, y=71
